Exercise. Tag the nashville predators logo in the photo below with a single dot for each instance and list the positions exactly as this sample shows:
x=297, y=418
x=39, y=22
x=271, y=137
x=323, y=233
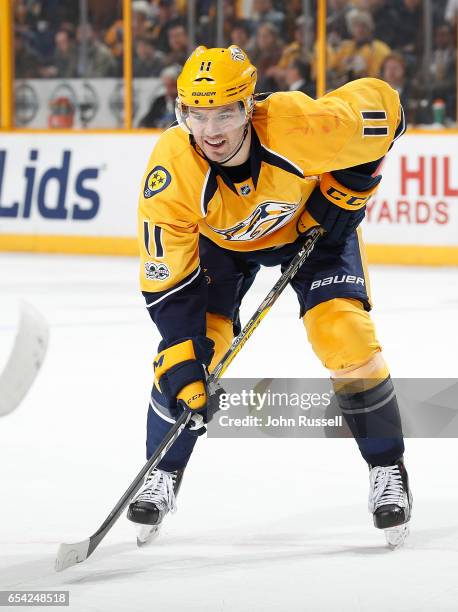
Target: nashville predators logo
x=157, y=180
x=265, y=219
x=237, y=54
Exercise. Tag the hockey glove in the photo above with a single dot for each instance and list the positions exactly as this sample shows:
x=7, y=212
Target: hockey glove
x=180, y=373
x=339, y=209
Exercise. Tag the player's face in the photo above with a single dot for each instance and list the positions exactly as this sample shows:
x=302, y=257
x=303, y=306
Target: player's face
x=217, y=131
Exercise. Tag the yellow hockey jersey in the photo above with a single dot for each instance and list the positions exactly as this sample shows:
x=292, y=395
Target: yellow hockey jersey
x=295, y=139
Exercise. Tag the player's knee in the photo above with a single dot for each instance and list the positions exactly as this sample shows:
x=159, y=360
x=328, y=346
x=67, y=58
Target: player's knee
x=374, y=369
x=219, y=329
x=341, y=333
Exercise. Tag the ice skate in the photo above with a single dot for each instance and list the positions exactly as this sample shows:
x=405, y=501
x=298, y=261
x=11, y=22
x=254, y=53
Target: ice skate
x=155, y=499
x=390, y=501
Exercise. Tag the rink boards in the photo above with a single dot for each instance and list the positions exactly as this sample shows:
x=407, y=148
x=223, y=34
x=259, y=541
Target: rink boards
x=77, y=193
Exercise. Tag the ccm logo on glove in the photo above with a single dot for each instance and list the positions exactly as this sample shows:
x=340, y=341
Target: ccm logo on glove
x=342, y=196
x=338, y=208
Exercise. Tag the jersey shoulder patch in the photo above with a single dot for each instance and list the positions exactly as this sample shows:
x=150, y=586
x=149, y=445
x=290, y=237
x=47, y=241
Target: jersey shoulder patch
x=156, y=181
x=155, y=270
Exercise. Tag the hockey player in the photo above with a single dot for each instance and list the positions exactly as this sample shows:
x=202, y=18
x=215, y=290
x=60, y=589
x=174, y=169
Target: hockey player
x=237, y=183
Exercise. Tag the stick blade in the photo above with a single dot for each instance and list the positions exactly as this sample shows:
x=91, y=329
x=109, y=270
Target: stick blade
x=71, y=554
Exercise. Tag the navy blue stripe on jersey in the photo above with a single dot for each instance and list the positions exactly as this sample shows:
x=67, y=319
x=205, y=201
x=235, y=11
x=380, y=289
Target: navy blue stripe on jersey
x=256, y=157
x=146, y=236
x=158, y=241
x=377, y=115
x=275, y=159
x=158, y=296
x=375, y=131
x=402, y=127
x=180, y=312
x=209, y=190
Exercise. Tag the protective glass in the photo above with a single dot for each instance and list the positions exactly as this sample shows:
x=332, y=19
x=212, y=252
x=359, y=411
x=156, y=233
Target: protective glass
x=220, y=119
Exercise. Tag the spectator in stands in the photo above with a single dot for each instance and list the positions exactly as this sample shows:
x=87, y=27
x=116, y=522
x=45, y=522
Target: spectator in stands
x=451, y=12
x=24, y=26
x=147, y=61
x=142, y=15
x=384, y=18
x=23, y=18
x=94, y=58
x=203, y=8
x=166, y=16
x=64, y=62
x=266, y=54
x=114, y=39
x=336, y=22
x=241, y=35
x=54, y=12
x=295, y=50
x=394, y=72
x=208, y=25
x=162, y=111
x=264, y=12
x=102, y=12
x=298, y=77
x=28, y=63
x=37, y=20
x=293, y=9
x=362, y=55
x=408, y=33
x=142, y=19
x=178, y=43
x=44, y=39
x=442, y=79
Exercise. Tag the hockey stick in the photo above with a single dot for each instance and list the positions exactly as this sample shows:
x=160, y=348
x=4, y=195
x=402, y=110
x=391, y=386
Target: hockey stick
x=25, y=360
x=309, y=244
x=71, y=554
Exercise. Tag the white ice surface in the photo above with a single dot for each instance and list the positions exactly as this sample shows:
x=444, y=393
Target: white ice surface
x=262, y=524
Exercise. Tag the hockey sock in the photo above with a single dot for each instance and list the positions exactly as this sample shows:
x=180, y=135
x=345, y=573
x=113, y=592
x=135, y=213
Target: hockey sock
x=371, y=411
x=178, y=455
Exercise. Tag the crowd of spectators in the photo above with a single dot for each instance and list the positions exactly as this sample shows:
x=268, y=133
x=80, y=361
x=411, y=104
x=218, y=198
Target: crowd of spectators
x=377, y=38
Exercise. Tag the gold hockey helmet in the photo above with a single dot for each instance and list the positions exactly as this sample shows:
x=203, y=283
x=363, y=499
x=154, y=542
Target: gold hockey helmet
x=215, y=77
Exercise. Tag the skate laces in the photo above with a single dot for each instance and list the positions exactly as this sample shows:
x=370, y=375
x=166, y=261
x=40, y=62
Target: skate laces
x=158, y=489
x=386, y=487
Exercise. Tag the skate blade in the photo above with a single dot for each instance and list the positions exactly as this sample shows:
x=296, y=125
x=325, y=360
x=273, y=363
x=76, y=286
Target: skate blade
x=396, y=536
x=146, y=534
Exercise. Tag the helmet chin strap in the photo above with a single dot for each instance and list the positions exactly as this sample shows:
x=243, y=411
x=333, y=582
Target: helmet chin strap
x=231, y=155
x=238, y=147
